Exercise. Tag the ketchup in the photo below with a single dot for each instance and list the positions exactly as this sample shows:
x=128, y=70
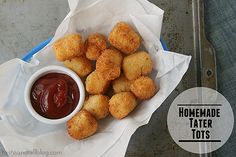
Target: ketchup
x=54, y=95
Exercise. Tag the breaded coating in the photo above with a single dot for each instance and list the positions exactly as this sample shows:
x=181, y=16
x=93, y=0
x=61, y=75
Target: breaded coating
x=95, y=84
x=98, y=40
x=124, y=38
x=68, y=47
x=82, y=125
x=94, y=45
x=93, y=52
x=115, y=49
x=137, y=64
x=108, y=64
x=97, y=105
x=81, y=65
x=121, y=104
x=121, y=84
x=144, y=88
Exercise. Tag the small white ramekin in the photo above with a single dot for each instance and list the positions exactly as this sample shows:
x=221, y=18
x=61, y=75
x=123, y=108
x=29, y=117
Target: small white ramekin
x=44, y=71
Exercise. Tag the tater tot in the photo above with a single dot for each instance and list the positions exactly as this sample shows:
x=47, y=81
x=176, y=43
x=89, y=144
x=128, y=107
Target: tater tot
x=124, y=38
x=144, y=88
x=94, y=45
x=98, y=40
x=137, y=64
x=108, y=64
x=68, y=47
x=93, y=52
x=82, y=125
x=81, y=65
x=97, y=105
x=121, y=104
x=95, y=84
x=121, y=84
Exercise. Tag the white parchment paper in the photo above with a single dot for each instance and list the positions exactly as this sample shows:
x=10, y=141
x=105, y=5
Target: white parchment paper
x=21, y=133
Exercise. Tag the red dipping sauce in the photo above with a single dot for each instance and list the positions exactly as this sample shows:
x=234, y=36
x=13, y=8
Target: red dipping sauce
x=54, y=95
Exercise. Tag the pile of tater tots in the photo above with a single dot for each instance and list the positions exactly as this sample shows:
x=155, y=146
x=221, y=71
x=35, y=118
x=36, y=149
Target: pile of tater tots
x=115, y=74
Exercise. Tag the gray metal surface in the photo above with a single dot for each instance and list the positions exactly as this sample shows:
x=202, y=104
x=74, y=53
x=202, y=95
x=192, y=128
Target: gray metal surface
x=25, y=23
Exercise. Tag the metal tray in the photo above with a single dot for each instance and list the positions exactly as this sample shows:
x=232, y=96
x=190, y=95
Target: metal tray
x=183, y=32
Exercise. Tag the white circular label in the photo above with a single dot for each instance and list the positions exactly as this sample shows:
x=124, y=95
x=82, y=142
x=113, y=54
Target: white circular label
x=200, y=120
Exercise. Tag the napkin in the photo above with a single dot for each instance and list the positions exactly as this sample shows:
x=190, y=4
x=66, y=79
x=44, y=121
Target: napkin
x=21, y=134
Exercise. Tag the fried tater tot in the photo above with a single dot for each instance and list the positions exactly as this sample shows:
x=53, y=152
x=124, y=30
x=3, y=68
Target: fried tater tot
x=108, y=64
x=80, y=65
x=124, y=38
x=68, y=47
x=121, y=104
x=137, y=64
x=97, y=105
x=82, y=125
x=93, y=52
x=144, y=88
x=94, y=45
x=95, y=84
x=121, y=84
x=98, y=40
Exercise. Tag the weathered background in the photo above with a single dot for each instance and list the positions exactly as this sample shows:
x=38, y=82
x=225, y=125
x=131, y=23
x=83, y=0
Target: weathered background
x=25, y=23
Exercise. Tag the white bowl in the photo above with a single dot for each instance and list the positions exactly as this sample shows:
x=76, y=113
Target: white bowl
x=42, y=72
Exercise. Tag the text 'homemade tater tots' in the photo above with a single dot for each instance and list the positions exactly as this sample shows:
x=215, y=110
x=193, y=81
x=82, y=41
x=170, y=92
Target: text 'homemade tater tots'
x=124, y=38
x=68, y=47
x=136, y=65
x=95, y=84
x=82, y=125
x=81, y=65
x=121, y=104
x=97, y=105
